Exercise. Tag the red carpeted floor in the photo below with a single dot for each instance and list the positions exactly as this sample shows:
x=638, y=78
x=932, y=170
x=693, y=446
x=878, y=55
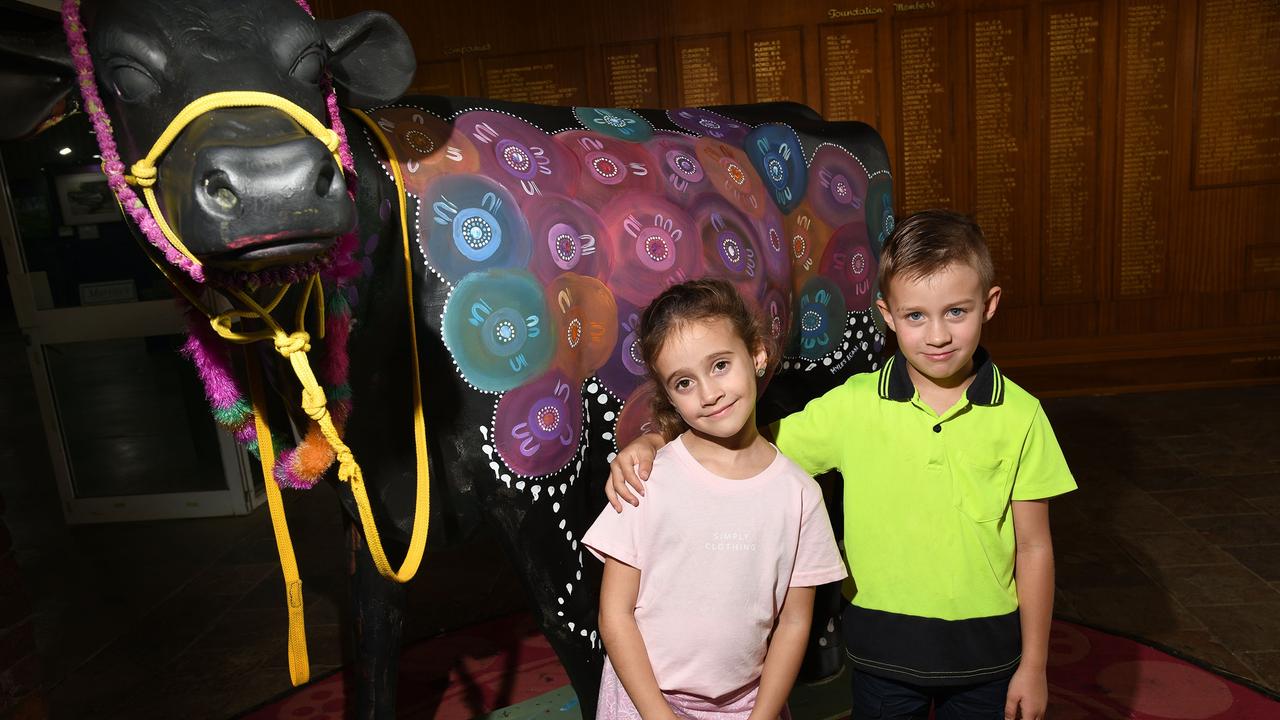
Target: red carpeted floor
x=1092, y=674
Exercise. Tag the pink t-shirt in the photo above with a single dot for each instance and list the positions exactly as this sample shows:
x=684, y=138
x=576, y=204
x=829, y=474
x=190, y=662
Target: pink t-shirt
x=716, y=557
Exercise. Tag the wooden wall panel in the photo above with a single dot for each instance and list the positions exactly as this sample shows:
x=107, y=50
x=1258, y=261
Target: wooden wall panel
x=1123, y=157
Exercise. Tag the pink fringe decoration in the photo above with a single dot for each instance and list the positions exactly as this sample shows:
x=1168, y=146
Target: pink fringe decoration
x=345, y=267
x=213, y=363
x=336, y=364
x=287, y=475
x=111, y=163
x=247, y=433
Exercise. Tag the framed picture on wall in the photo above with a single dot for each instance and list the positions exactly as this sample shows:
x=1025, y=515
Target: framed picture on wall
x=84, y=197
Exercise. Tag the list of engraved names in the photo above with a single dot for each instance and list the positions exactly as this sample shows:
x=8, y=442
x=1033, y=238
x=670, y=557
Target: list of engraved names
x=631, y=76
x=923, y=109
x=1072, y=118
x=536, y=78
x=1146, y=143
x=777, y=72
x=849, y=72
x=996, y=50
x=1238, y=136
x=703, y=67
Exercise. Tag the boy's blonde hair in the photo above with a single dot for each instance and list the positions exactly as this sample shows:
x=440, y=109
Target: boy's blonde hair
x=692, y=301
x=929, y=241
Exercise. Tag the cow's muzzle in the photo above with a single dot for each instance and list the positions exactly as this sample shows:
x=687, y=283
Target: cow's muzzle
x=246, y=181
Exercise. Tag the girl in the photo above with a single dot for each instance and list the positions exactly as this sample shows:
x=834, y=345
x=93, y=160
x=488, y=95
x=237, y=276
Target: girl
x=708, y=585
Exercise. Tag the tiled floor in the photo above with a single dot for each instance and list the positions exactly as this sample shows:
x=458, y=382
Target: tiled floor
x=1174, y=536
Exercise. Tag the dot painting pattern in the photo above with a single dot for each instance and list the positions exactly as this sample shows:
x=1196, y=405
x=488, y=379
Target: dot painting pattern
x=553, y=240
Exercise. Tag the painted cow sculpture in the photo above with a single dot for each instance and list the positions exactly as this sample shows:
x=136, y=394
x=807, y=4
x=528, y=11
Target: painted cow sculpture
x=538, y=234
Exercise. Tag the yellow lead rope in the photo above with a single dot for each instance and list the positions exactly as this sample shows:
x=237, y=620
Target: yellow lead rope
x=422, y=505
x=299, y=665
x=294, y=346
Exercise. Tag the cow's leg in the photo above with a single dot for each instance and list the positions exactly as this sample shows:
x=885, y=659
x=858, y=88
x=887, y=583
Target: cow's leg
x=563, y=604
x=582, y=659
x=824, y=655
x=377, y=614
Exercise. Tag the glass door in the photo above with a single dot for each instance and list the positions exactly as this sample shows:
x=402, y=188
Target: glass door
x=128, y=428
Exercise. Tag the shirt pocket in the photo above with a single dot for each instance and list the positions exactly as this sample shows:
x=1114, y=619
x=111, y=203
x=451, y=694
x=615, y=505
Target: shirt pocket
x=980, y=486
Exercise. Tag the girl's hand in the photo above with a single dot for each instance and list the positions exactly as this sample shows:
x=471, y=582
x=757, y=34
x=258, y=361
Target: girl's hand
x=1028, y=695
x=631, y=467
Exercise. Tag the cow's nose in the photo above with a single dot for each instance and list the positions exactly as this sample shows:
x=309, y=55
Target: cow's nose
x=219, y=188
x=286, y=178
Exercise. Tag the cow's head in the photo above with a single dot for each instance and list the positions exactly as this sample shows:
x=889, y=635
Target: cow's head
x=242, y=187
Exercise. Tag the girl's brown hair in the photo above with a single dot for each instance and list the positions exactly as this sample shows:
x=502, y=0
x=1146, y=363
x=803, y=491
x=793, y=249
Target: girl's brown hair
x=687, y=302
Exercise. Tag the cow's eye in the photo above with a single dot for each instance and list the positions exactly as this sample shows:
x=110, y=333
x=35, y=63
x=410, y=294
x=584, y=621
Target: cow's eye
x=308, y=66
x=131, y=83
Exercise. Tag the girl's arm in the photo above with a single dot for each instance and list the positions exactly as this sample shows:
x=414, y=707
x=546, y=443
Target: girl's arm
x=786, y=651
x=1028, y=690
x=623, y=642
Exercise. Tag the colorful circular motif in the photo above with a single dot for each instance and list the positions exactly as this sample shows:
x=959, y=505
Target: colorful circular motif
x=730, y=172
x=609, y=166
x=817, y=320
x=472, y=223
x=683, y=176
x=729, y=249
x=587, y=321
x=652, y=244
x=568, y=236
x=709, y=124
x=776, y=313
x=538, y=426
x=426, y=146
x=625, y=369
x=839, y=185
x=522, y=158
x=771, y=235
x=617, y=123
x=806, y=238
x=498, y=329
x=776, y=155
x=849, y=262
x=879, y=211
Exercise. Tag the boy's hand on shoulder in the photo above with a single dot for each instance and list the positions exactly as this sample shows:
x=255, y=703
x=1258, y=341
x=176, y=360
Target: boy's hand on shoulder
x=1028, y=695
x=630, y=469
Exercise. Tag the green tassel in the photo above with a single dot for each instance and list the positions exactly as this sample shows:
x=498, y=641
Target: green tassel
x=234, y=416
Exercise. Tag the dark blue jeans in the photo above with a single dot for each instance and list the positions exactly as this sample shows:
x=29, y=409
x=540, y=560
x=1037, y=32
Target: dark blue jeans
x=877, y=698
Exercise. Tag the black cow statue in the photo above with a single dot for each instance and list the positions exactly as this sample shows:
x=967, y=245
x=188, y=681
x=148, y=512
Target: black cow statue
x=497, y=254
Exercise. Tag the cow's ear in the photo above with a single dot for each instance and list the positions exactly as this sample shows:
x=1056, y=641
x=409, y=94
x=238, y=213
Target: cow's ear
x=36, y=75
x=370, y=57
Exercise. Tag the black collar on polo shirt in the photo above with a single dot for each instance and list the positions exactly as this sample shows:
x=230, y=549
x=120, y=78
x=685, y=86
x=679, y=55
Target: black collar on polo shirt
x=987, y=388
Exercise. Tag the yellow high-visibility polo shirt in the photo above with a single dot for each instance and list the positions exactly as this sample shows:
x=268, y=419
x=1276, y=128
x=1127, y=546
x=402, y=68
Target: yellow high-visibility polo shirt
x=928, y=527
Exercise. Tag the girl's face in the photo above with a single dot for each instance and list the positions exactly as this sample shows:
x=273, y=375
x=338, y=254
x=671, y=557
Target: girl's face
x=710, y=376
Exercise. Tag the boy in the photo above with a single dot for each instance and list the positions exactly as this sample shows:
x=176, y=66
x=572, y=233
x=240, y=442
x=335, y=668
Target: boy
x=947, y=468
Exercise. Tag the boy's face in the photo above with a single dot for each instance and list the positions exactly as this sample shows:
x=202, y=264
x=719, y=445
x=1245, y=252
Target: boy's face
x=710, y=376
x=938, y=320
